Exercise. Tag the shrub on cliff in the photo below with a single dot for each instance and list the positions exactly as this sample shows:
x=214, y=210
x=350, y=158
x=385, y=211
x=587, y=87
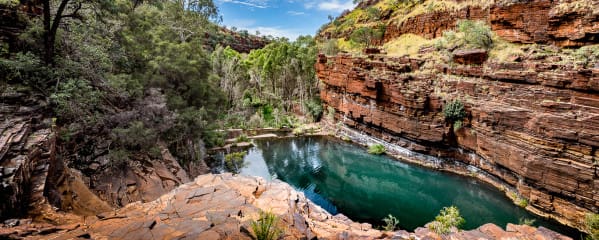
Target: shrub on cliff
x=591, y=222
x=376, y=149
x=265, y=228
x=454, y=113
x=448, y=218
x=468, y=34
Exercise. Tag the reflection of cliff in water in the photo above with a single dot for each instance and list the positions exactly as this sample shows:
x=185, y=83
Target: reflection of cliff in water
x=344, y=178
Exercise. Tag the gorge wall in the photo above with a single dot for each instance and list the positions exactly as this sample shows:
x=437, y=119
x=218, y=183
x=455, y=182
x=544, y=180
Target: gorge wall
x=560, y=22
x=533, y=124
x=563, y=23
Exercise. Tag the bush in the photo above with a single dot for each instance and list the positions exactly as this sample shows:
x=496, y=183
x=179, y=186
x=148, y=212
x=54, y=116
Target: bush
x=390, y=223
x=234, y=161
x=376, y=149
x=591, y=222
x=469, y=34
x=330, y=48
x=454, y=111
x=477, y=34
x=522, y=202
x=265, y=228
x=448, y=218
x=314, y=109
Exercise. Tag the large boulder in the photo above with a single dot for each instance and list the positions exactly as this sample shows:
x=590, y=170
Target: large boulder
x=470, y=56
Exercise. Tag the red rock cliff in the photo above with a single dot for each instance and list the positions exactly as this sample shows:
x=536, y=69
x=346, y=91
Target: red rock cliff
x=533, y=124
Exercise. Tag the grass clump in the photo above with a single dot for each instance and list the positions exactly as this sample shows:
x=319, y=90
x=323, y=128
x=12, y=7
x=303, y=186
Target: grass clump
x=265, y=228
x=520, y=201
x=448, y=218
x=376, y=149
x=564, y=7
x=242, y=138
x=390, y=223
x=526, y=221
x=406, y=44
x=591, y=222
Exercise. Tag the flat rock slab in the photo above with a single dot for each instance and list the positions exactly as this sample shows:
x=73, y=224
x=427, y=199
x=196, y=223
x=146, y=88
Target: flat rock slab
x=269, y=135
x=223, y=206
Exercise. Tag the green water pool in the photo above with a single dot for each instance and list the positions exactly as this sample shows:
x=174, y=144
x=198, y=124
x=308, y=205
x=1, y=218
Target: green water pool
x=343, y=178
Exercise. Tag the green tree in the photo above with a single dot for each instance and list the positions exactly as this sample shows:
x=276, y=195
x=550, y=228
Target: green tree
x=448, y=218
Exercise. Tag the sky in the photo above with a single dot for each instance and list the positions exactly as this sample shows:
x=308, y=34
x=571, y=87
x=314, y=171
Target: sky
x=280, y=18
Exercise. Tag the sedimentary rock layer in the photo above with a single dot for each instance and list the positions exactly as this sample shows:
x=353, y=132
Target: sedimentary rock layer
x=533, y=124
x=564, y=23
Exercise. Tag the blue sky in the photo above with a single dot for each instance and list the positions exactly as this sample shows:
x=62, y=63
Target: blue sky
x=280, y=18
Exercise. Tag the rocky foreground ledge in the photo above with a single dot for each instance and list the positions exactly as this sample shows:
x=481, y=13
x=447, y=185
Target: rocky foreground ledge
x=222, y=207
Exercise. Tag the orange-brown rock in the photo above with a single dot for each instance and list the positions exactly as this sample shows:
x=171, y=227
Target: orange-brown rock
x=533, y=124
x=536, y=21
x=26, y=151
x=222, y=207
x=470, y=56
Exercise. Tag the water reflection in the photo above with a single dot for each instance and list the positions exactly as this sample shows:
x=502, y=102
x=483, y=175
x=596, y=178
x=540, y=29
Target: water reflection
x=341, y=177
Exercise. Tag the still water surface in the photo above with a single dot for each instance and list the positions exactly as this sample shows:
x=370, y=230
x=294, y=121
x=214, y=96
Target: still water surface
x=344, y=178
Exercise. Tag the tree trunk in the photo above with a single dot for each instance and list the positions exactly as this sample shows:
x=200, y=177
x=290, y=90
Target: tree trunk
x=51, y=27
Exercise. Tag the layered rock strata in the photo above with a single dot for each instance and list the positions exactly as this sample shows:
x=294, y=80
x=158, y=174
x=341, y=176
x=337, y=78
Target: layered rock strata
x=532, y=124
x=222, y=207
x=26, y=152
x=564, y=23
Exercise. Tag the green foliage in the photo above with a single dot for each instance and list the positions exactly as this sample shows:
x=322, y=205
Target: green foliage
x=457, y=125
x=119, y=158
x=390, y=223
x=298, y=131
x=234, y=162
x=591, y=222
x=376, y=149
x=448, y=218
x=136, y=136
x=25, y=68
x=9, y=3
x=526, y=221
x=363, y=36
x=454, y=111
x=331, y=114
x=373, y=13
x=76, y=99
x=476, y=34
x=314, y=109
x=469, y=34
x=265, y=228
x=522, y=202
x=330, y=47
x=242, y=138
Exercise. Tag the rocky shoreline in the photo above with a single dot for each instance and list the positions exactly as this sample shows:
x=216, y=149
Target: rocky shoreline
x=222, y=207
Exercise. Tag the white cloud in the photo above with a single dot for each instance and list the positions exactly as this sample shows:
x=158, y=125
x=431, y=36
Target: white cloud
x=309, y=5
x=291, y=34
x=294, y=13
x=250, y=3
x=336, y=5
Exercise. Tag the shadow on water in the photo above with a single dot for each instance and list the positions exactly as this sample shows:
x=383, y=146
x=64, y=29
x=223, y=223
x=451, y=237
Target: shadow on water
x=344, y=178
